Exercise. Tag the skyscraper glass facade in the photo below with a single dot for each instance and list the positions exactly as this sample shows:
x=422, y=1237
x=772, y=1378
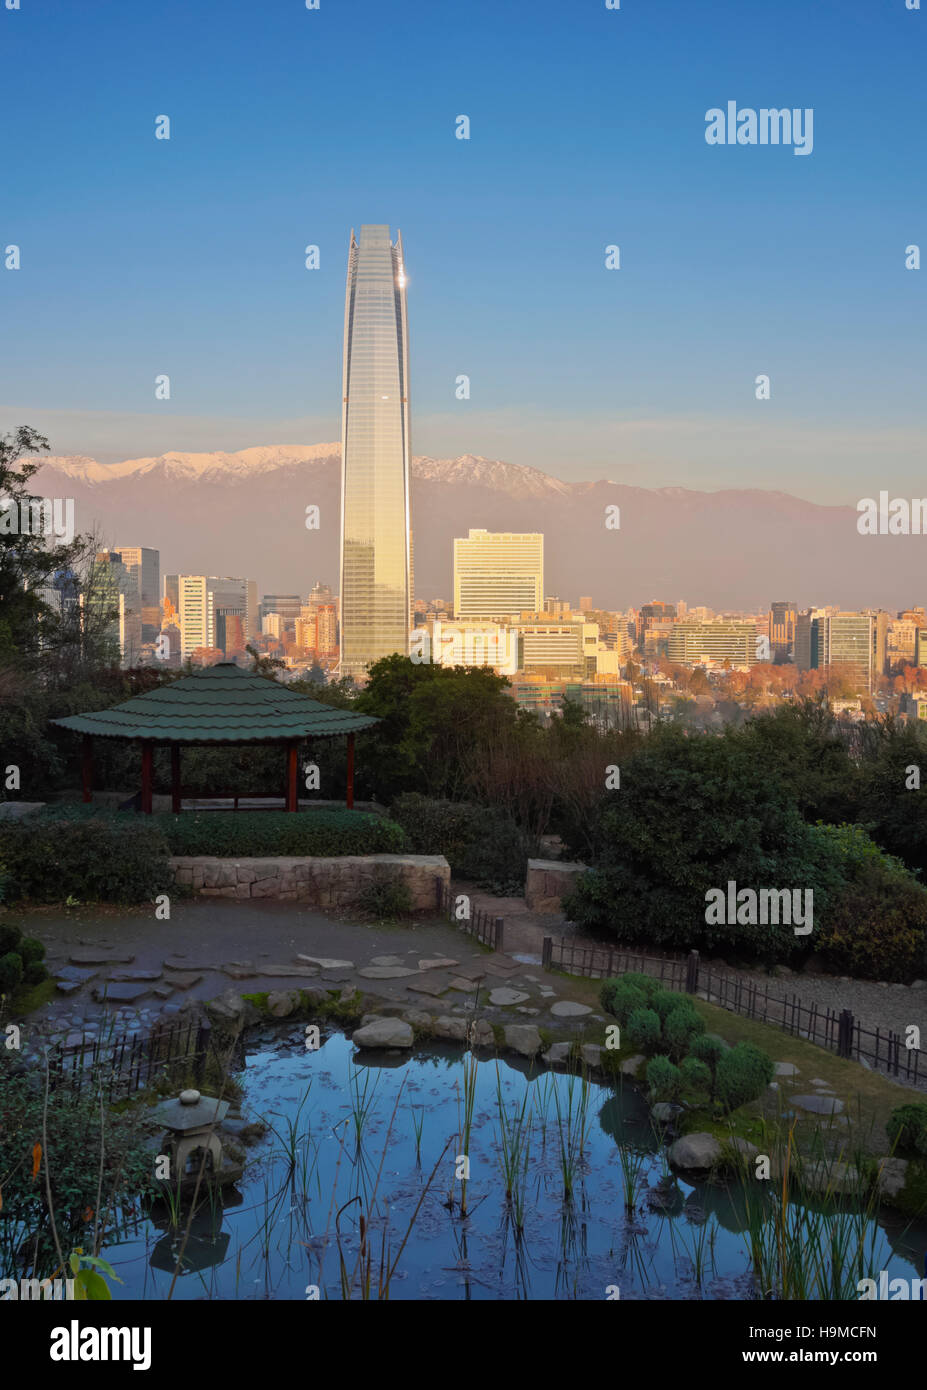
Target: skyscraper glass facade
x=375, y=520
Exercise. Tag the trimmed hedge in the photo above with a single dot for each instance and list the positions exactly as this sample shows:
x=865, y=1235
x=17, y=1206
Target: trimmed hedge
x=263, y=834
x=663, y=1078
x=696, y=1076
x=681, y=1026
x=481, y=843
x=106, y=857
x=644, y=1030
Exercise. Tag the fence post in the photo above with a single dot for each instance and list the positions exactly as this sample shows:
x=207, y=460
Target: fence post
x=845, y=1034
x=546, y=952
x=439, y=884
x=500, y=928
x=202, y=1048
x=692, y=972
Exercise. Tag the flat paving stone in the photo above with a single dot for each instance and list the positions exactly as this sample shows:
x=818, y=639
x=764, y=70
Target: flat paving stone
x=439, y=963
x=119, y=994
x=566, y=1008
x=180, y=979
x=507, y=996
x=465, y=986
x=239, y=971
x=68, y=986
x=181, y=963
x=75, y=973
x=327, y=962
x=164, y=991
x=385, y=972
x=502, y=968
x=818, y=1105
x=336, y=977
x=126, y=976
x=786, y=1069
x=432, y=987
x=386, y=960
x=91, y=955
x=288, y=972
x=476, y=971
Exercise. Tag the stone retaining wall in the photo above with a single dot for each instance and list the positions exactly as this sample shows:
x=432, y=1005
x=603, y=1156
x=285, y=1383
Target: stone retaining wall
x=548, y=881
x=323, y=883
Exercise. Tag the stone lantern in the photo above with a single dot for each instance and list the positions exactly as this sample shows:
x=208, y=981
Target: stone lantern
x=191, y=1119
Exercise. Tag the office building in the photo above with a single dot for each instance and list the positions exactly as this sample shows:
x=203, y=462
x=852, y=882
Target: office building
x=498, y=574
x=376, y=593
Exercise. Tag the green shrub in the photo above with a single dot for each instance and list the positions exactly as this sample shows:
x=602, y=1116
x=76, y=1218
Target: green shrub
x=664, y=1079
x=106, y=857
x=681, y=1026
x=11, y=972
x=742, y=1074
x=480, y=843
x=644, y=1030
x=273, y=833
x=621, y=999
x=708, y=1050
x=387, y=898
x=31, y=950
x=662, y=1001
x=10, y=937
x=907, y=1127
x=645, y=983
x=696, y=1076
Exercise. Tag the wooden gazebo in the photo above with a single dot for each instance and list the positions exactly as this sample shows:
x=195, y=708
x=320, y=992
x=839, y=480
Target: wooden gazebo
x=218, y=705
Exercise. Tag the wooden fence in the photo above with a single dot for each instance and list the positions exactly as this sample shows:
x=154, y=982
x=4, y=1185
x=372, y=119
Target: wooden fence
x=125, y=1063
x=837, y=1030
x=484, y=926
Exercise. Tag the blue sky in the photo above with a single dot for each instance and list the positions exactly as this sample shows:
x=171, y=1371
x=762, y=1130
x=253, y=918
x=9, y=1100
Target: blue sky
x=289, y=126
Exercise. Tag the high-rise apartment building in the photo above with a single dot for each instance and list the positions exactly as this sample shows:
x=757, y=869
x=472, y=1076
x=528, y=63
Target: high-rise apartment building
x=782, y=619
x=327, y=629
x=114, y=592
x=697, y=644
x=498, y=574
x=205, y=602
x=143, y=565
x=376, y=597
x=856, y=642
x=288, y=606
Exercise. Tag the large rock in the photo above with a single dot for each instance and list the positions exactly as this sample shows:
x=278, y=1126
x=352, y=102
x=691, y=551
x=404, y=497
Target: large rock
x=558, y=1054
x=695, y=1152
x=481, y=1034
x=892, y=1176
x=282, y=1002
x=453, y=1029
x=230, y=1013
x=523, y=1038
x=384, y=1032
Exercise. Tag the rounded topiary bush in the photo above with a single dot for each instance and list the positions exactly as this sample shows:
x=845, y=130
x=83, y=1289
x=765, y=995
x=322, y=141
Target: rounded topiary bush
x=681, y=1026
x=644, y=1030
x=742, y=1074
x=662, y=1001
x=696, y=1075
x=10, y=937
x=708, y=1049
x=663, y=1078
x=645, y=983
x=11, y=972
x=622, y=999
x=907, y=1127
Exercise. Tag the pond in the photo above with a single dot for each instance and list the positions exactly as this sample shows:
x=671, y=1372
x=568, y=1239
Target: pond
x=359, y=1189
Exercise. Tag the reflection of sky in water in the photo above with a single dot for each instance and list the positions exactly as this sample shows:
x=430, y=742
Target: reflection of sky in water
x=269, y=1239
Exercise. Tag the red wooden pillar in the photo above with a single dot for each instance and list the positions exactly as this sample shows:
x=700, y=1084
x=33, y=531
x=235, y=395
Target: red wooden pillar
x=147, y=771
x=350, y=789
x=291, y=772
x=175, y=777
x=87, y=767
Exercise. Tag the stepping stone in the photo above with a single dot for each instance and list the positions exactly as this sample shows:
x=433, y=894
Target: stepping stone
x=385, y=972
x=786, y=1069
x=94, y=955
x=819, y=1105
x=385, y=960
x=119, y=994
x=507, y=996
x=565, y=1008
x=472, y=972
x=74, y=973
x=327, y=962
x=236, y=971
x=816, y=1081
x=129, y=975
x=465, y=986
x=502, y=968
x=337, y=976
x=439, y=963
x=68, y=986
x=432, y=987
x=288, y=972
x=181, y=979
x=181, y=963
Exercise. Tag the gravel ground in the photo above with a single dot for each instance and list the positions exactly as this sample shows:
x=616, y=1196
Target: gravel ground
x=874, y=1005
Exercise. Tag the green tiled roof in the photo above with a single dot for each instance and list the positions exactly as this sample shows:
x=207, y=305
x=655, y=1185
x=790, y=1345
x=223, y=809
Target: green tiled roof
x=219, y=704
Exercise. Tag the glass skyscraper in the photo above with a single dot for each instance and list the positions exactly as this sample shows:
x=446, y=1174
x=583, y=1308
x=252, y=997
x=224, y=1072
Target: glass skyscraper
x=376, y=599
